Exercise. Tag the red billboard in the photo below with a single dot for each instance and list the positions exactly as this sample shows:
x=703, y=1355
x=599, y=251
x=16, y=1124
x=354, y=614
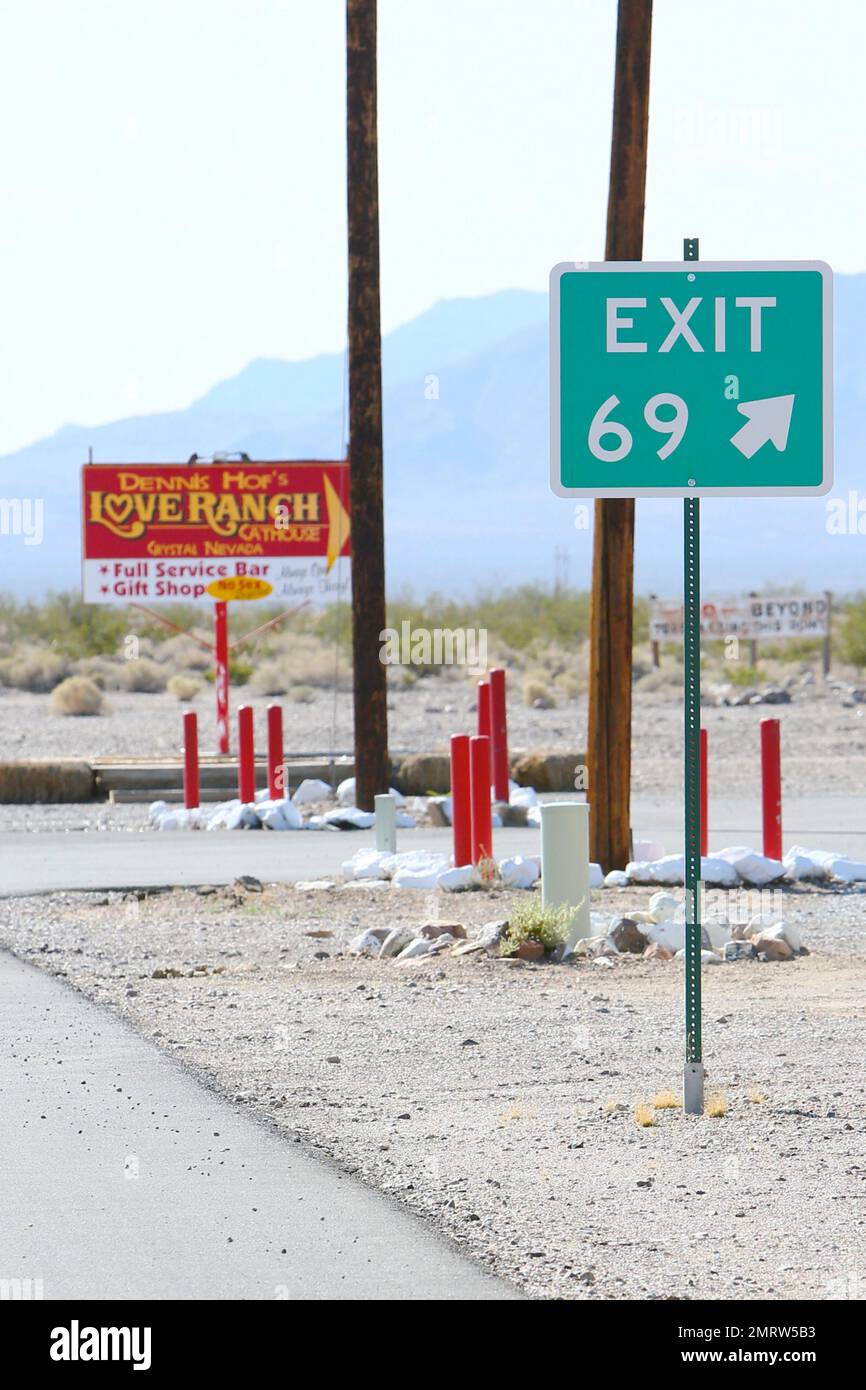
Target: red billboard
x=157, y=532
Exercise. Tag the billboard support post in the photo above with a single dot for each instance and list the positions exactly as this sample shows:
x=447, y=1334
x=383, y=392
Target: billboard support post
x=221, y=674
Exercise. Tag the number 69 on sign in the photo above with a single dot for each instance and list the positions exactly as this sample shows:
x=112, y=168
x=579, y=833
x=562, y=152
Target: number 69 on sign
x=603, y=426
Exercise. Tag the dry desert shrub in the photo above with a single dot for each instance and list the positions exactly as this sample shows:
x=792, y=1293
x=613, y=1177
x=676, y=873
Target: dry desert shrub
x=666, y=1100
x=663, y=678
x=37, y=669
x=534, y=689
x=270, y=678
x=644, y=1116
x=571, y=684
x=104, y=671
x=184, y=654
x=302, y=694
x=76, y=695
x=183, y=687
x=299, y=659
x=144, y=676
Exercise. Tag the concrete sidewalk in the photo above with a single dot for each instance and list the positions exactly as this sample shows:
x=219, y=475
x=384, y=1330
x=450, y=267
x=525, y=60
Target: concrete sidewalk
x=125, y=1178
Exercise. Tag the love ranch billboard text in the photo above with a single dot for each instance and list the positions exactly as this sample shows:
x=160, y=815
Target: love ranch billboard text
x=156, y=532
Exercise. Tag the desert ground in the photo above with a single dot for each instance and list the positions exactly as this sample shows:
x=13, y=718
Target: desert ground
x=498, y=1099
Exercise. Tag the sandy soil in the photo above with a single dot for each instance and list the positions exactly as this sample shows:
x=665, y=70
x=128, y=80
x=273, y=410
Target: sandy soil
x=823, y=742
x=498, y=1099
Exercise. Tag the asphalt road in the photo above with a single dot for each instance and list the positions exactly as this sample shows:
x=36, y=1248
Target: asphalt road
x=125, y=1178
x=34, y=863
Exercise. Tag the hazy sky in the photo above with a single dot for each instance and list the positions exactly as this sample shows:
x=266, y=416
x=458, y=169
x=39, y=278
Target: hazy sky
x=173, y=170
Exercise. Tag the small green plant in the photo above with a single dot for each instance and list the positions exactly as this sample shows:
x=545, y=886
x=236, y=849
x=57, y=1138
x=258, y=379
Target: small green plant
x=529, y=921
x=239, y=673
x=743, y=675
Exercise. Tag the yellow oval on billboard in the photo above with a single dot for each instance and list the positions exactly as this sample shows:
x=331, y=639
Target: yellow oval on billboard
x=241, y=586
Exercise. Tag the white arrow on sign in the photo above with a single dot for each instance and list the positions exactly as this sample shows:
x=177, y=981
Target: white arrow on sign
x=766, y=420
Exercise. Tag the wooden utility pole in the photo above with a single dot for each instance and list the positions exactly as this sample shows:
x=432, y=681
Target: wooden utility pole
x=372, y=770
x=611, y=622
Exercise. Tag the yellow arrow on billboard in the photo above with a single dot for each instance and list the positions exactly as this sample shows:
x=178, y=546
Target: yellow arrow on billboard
x=339, y=525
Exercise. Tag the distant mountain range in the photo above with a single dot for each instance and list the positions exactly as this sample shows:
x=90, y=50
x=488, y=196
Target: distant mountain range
x=466, y=463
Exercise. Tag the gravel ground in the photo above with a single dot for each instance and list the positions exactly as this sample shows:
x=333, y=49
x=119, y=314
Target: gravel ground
x=819, y=735
x=498, y=1099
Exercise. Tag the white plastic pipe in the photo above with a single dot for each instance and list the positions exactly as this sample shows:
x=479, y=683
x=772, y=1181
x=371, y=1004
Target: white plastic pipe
x=385, y=808
x=565, y=862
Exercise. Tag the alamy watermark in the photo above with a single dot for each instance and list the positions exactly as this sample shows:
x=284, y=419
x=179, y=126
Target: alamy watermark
x=438, y=646
x=23, y=516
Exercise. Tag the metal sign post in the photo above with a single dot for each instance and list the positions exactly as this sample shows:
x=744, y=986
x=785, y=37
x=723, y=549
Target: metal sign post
x=677, y=379
x=693, y=1073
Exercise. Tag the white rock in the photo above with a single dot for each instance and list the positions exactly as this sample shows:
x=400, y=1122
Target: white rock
x=366, y=863
x=311, y=789
x=670, y=869
x=596, y=875
x=800, y=865
x=669, y=934
x=603, y=960
x=460, y=877
x=417, y=878
x=518, y=872
x=346, y=794
x=522, y=796
x=403, y=821
x=719, y=933
x=533, y=817
x=315, y=885
x=771, y=925
x=846, y=870
x=414, y=860
x=647, y=851
x=156, y=810
x=718, y=873
x=396, y=941
x=753, y=868
x=489, y=934
x=281, y=814
x=419, y=947
x=707, y=957
x=617, y=878
x=350, y=818
x=367, y=944
x=662, y=907
x=366, y=885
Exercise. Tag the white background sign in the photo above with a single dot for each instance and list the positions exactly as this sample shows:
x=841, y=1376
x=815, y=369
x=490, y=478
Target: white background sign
x=769, y=616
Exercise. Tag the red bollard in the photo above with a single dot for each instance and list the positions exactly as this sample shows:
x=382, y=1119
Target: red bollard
x=479, y=792
x=771, y=787
x=483, y=729
x=705, y=797
x=499, y=734
x=246, y=756
x=191, y=792
x=221, y=673
x=276, y=764
x=461, y=807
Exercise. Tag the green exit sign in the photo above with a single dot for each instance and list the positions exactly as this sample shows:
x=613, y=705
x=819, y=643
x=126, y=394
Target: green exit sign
x=691, y=378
